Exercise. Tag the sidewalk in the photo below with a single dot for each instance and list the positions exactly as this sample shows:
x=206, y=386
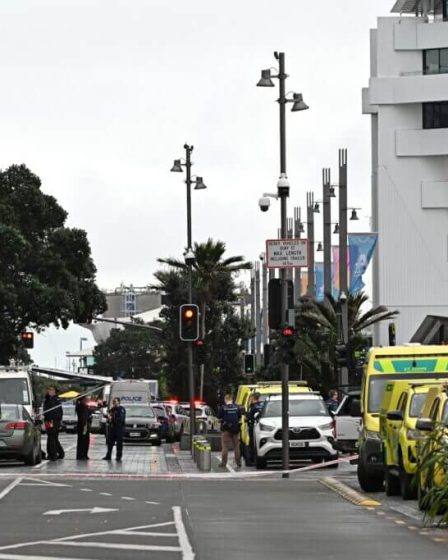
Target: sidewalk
x=136, y=460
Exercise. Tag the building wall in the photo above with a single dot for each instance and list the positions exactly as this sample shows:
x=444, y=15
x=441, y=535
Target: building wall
x=409, y=174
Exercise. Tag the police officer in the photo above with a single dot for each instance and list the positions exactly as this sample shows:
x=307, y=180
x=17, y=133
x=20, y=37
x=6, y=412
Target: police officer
x=83, y=428
x=117, y=421
x=230, y=416
x=53, y=417
x=254, y=410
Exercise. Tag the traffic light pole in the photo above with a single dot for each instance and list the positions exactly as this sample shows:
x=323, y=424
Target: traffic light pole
x=343, y=261
x=188, y=150
x=283, y=194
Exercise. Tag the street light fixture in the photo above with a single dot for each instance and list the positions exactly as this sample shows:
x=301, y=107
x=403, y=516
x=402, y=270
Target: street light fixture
x=336, y=228
x=189, y=261
x=354, y=215
x=283, y=194
x=320, y=247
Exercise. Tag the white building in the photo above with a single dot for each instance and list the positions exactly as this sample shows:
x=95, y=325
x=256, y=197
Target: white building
x=407, y=99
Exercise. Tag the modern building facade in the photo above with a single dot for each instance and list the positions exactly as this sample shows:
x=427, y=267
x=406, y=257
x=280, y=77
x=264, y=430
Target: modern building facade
x=407, y=100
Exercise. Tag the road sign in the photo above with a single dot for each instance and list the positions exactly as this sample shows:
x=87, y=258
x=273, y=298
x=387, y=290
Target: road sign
x=286, y=253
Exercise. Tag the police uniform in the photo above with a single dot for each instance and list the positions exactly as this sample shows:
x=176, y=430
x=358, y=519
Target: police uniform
x=116, y=431
x=230, y=416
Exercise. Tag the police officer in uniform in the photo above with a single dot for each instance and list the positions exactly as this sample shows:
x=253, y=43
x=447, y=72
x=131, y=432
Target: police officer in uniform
x=230, y=416
x=117, y=421
x=83, y=428
x=254, y=410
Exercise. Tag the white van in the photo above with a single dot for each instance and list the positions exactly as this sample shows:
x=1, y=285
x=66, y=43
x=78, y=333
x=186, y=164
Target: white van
x=132, y=391
x=16, y=387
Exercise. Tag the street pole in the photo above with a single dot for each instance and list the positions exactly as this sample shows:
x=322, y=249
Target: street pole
x=343, y=274
x=253, y=324
x=188, y=150
x=264, y=303
x=311, y=288
x=283, y=194
x=257, y=315
x=297, y=235
x=327, y=230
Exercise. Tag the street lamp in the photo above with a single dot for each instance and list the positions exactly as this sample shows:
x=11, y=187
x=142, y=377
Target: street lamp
x=178, y=166
x=283, y=194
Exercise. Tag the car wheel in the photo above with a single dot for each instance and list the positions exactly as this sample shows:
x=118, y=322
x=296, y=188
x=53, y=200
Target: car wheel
x=157, y=443
x=391, y=483
x=31, y=459
x=408, y=489
x=369, y=482
x=260, y=462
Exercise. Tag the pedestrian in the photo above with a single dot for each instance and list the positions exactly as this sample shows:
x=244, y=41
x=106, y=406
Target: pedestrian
x=116, y=425
x=230, y=416
x=332, y=402
x=254, y=410
x=83, y=428
x=52, y=417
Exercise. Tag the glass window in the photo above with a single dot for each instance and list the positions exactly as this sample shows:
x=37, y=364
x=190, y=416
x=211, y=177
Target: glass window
x=297, y=407
x=435, y=115
x=431, y=61
x=445, y=413
x=443, y=62
x=434, y=410
x=140, y=411
x=14, y=391
x=416, y=404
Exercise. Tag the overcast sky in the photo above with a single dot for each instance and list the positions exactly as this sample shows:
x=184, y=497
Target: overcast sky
x=99, y=96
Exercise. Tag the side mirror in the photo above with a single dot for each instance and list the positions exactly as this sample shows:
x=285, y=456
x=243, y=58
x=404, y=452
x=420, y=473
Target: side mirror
x=424, y=425
x=394, y=415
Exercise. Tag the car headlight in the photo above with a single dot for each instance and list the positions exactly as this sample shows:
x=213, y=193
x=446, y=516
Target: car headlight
x=372, y=435
x=266, y=427
x=328, y=426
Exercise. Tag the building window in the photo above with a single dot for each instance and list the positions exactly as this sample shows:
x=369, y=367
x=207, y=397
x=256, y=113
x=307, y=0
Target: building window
x=435, y=61
x=435, y=115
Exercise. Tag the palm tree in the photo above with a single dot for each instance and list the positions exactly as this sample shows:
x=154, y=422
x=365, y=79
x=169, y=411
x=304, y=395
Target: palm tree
x=212, y=274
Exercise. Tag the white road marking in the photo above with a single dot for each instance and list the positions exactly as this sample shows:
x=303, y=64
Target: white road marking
x=153, y=503
x=187, y=551
x=27, y=557
x=119, y=546
x=10, y=487
x=81, y=510
x=145, y=533
x=105, y=494
x=97, y=534
x=127, y=498
x=86, y=490
x=40, y=482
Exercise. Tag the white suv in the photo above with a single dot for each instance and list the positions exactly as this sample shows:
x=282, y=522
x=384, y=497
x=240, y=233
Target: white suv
x=311, y=430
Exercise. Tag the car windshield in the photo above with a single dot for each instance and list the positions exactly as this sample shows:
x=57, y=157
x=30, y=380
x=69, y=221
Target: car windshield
x=197, y=411
x=140, y=411
x=14, y=391
x=297, y=407
x=9, y=412
x=416, y=404
x=378, y=382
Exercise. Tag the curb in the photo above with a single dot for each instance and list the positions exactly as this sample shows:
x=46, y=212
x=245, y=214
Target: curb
x=348, y=493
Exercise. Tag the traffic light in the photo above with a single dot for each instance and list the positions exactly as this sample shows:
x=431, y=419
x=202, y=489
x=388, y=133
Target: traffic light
x=189, y=322
x=341, y=354
x=249, y=363
x=275, y=318
x=392, y=334
x=288, y=342
x=27, y=339
x=200, y=351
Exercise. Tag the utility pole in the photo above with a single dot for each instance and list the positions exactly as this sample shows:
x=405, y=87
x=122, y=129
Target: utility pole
x=343, y=264
x=257, y=315
x=311, y=288
x=298, y=229
x=327, y=230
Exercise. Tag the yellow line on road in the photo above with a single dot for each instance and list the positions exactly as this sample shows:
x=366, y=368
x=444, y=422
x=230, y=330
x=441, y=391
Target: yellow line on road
x=348, y=493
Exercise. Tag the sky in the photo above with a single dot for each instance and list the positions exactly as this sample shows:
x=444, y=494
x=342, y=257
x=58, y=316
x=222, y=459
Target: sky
x=98, y=98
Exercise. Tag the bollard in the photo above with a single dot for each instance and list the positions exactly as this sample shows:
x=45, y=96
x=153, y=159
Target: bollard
x=197, y=443
x=205, y=458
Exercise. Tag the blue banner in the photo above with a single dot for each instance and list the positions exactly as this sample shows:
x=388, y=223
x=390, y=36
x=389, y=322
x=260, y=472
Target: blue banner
x=319, y=279
x=361, y=247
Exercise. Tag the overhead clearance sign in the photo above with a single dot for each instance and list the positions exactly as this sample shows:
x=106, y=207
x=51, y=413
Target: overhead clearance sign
x=286, y=253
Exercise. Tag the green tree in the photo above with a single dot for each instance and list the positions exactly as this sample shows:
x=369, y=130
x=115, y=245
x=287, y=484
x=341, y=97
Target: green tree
x=47, y=274
x=316, y=324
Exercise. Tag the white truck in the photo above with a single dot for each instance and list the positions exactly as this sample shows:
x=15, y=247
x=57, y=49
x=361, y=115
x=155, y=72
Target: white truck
x=134, y=391
x=16, y=387
x=348, y=420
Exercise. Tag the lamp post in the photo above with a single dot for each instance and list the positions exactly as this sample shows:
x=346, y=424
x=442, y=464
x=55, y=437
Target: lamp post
x=283, y=194
x=189, y=261
x=311, y=288
x=326, y=185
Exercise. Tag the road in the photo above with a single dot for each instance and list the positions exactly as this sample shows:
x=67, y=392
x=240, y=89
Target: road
x=63, y=512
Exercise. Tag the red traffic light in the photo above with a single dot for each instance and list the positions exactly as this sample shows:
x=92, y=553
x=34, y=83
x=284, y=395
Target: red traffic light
x=288, y=332
x=199, y=343
x=27, y=339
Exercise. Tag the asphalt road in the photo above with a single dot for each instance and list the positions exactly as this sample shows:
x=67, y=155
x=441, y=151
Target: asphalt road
x=209, y=520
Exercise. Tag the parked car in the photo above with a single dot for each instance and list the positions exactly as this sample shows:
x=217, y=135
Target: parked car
x=347, y=422
x=142, y=425
x=166, y=421
x=179, y=417
x=204, y=414
x=311, y=430
x=19, y=435
x=69, y=418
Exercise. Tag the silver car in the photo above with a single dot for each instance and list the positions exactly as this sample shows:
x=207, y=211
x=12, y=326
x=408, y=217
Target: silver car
x=19, y=436
x=141, y=425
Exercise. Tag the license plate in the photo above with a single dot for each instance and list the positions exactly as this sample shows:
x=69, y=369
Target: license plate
x=297, y=444
x=134, y=434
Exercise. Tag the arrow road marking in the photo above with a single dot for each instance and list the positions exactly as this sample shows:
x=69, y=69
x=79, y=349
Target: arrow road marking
x=88, y=510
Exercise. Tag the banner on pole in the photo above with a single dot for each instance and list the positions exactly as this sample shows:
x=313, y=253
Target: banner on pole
x=361, y=247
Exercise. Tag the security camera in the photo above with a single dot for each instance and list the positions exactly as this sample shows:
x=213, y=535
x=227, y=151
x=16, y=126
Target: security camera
x=264, y=204
x=189, y=257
